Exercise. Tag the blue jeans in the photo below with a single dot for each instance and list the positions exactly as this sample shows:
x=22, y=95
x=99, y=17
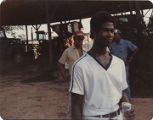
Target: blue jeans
x=128, y=91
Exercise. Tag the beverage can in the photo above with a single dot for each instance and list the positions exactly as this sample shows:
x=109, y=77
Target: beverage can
x=126, y=106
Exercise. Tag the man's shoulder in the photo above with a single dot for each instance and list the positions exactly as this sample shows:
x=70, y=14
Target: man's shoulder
x=70, y=48
x=124, y=41
x=117, y=59
x=80, y=61
x=113, y=43
x=128, y=43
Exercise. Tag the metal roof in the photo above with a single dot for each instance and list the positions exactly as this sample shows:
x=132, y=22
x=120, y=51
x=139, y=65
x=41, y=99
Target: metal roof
x=30, y=12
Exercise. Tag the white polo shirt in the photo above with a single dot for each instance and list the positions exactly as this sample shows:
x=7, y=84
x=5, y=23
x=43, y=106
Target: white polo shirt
x=102, y=87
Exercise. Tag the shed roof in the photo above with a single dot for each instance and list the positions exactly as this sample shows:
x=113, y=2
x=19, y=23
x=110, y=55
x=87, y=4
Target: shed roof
x=30, y=12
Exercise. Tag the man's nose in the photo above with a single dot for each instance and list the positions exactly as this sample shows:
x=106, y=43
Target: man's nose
x=110, y=34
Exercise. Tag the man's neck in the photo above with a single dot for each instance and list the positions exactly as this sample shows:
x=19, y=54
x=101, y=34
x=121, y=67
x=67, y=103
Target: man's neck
x=102, y=55
x=78, y=47
x=118, y=41
x=80, y=50
x=98, y=51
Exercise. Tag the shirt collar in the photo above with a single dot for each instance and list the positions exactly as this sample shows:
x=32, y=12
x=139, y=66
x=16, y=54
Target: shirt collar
x=82, y=49
x=73, y=47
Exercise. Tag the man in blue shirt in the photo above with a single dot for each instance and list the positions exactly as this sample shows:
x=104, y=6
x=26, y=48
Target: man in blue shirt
x=120, y=48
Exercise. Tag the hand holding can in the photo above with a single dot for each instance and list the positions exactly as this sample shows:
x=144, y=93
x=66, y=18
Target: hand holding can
x=126, y=106
x=128, y=111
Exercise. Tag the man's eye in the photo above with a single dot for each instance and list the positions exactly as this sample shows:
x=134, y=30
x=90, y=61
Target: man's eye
x=112, y=31
x=108, y=30
x=105, y=30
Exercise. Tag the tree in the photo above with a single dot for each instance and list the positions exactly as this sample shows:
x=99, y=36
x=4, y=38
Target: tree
x=12, y=30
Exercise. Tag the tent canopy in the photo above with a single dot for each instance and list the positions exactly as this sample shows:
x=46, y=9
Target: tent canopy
x=30, y=12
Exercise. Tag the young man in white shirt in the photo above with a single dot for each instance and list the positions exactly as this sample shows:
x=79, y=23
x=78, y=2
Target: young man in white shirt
x=69, y=56
x=99, y=78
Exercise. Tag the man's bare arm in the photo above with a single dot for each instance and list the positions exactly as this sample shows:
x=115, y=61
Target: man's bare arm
x=124, y=98
x=132, y=56
x=61, y=68
x=77, y=101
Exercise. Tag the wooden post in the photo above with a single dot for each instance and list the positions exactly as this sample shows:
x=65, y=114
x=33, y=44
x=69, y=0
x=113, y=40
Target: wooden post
x=138, y=17
x=48, y=17
x=130, y=6
x=26, y=34
x=37, y=29
x=31, y=34
x=37, y=32
x=140, y=23
x=50, y=45
x=26, y=47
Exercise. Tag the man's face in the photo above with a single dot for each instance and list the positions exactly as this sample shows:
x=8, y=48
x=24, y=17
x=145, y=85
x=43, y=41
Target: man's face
x=106, y=32
x=78, y=43
x=117, y=38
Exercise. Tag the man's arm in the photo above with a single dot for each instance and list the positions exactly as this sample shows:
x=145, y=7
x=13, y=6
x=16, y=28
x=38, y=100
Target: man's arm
x=76, y=107
x=132, y=56
x=61, y=64
x=124, y=98
x=134, y=53
x=130, y=115
x=61, y=68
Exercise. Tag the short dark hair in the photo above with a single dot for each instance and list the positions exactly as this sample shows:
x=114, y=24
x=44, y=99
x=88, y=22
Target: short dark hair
x=97, y=20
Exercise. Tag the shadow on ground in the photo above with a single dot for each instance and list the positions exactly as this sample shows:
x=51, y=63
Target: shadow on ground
x=43, y=77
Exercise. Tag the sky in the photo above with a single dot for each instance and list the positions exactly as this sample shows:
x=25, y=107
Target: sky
x=85, y=23
x=1, y=1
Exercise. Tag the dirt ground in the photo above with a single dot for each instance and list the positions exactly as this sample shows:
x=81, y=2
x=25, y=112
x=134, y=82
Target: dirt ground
x=27, y=95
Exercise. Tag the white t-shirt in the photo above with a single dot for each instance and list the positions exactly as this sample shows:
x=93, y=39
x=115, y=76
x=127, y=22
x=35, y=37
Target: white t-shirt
x=102, y=87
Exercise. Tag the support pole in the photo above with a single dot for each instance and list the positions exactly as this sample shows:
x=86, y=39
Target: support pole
x=26, y=47
x=36, y=27
x=37, y=33
x=130, y=6
x=26, y=34
x=32, y=34
x=50, y=45
x=140, y=25
x=48, y=17
x=139, y=19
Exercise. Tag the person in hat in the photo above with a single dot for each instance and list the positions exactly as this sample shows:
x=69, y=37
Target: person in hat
x=120, y=48
x=98, y=78
x=71, y=54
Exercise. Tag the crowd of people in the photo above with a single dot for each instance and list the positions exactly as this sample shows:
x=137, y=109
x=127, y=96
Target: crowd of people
x=98, y=76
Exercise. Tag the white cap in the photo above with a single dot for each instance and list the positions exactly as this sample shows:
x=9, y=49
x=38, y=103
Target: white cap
x=117, y=31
